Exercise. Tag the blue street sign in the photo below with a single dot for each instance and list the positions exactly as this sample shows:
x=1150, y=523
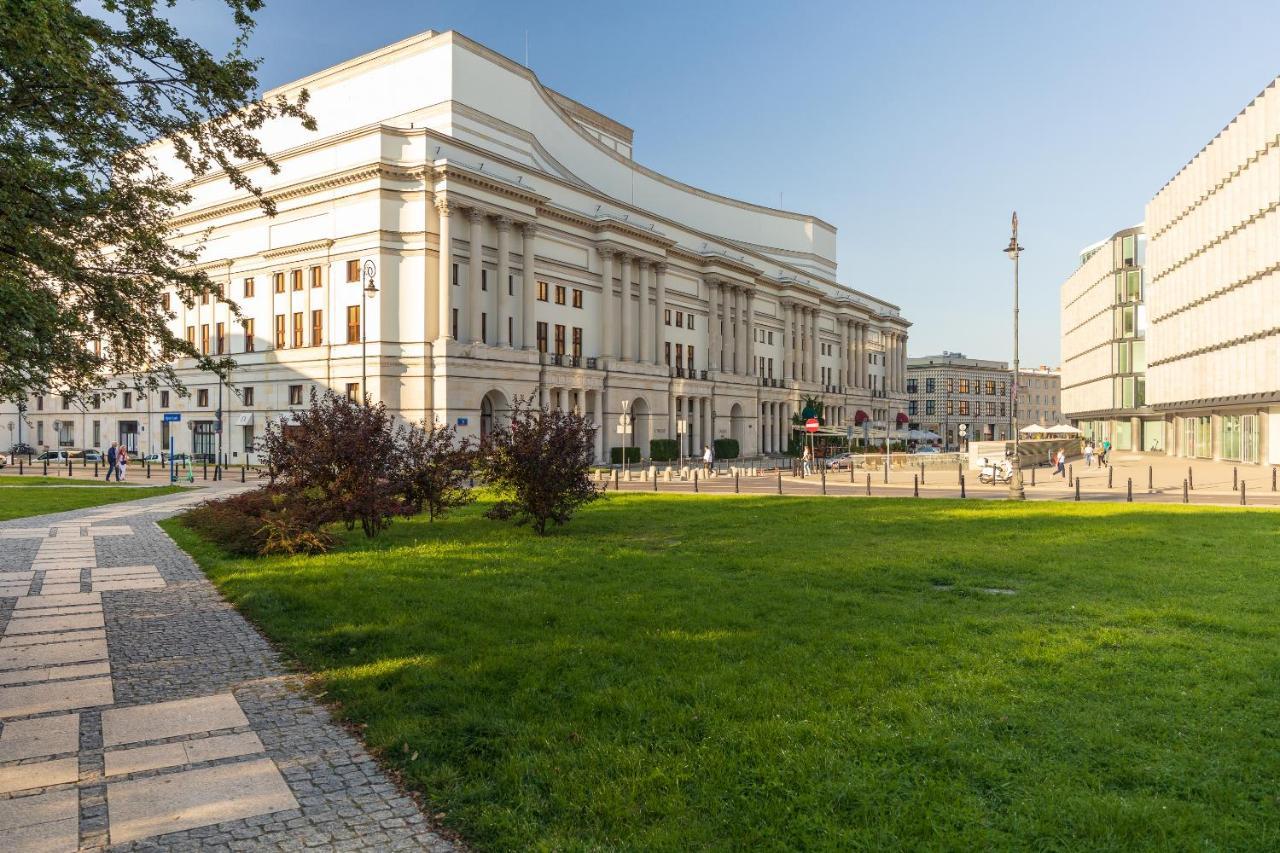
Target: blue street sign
x=172, y=417
x=462, y=421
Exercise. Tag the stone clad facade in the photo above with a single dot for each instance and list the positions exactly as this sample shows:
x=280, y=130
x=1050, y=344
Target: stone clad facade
x=516, y=249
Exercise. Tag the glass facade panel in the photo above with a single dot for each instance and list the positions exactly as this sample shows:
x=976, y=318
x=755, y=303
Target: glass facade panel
x=1231, y=437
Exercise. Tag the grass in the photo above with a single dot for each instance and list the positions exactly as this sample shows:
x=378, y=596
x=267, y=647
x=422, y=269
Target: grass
x=28, y=500
x=674, y=672
x=36, y=480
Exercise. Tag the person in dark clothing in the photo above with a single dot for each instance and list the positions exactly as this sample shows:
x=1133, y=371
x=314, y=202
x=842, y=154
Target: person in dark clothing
x=112, y=458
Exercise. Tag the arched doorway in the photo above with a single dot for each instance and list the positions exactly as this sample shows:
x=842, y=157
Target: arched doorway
x=638, y=433
x=494, y=411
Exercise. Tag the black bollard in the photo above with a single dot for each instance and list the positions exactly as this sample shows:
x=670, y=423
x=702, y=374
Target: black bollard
x=959, y=474
x=655, y=479
x=1191, y=480
x=824, y=479
x=868, y=485
x=1077, y=490
x=1151, y=479
x=1071, y=475
x=95, y=470
x=242, y=473
x=147, y=465
x=851, y=472
x=695, y=481
x=1129, y=492
x=1185, y=498
x=46, y=467
x=205, y=471
x=779, y=481
x=886, y=470
x=615, y=479
x=1242, y=500
x=1110, y=471
x=962, y=485
x=68, y=466
x=922, y=472
x=1235, y=479
x=735, y=482
x=1033, y=475
x=915, y=487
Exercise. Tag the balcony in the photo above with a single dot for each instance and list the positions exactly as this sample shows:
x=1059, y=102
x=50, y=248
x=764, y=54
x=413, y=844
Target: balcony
x=559, y=359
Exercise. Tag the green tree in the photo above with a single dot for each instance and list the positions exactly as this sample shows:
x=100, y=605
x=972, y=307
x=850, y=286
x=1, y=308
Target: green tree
x=86, y=249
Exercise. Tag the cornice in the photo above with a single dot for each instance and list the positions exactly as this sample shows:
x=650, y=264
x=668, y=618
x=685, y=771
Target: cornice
x=297, y=249
x=447, y=171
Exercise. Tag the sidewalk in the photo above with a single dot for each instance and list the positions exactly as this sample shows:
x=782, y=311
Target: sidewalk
x=138, y=710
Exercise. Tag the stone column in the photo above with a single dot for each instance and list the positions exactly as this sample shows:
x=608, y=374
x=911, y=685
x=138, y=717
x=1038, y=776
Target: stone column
x=672, y=399
x=861, y=348
x=659, y=310
x=813, y=345
x=693, y=439
x=475, y=265
x=713, y=325
x=730, y=345
x=607, y=334
x=445, y=296
x=628, y=316
x=844, y=351
x=646, y=315
x=597, y=414
x=788, y=348
x=503, y=337
x=528, y=335
x=750, y=333
x=805, y=342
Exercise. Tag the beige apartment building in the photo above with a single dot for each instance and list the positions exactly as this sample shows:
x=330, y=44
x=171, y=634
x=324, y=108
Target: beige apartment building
x=1213, y=262
x=1039, y=396
x=1104, y=340
x=465, y=235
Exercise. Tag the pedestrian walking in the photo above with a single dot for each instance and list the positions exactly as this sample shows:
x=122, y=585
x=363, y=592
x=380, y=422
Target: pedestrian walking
x=1104, y=457
x=113, y=456
x=707, y=458
x=122, y=461
x=805, y=459
x=1088, y=454
x=1062, y=463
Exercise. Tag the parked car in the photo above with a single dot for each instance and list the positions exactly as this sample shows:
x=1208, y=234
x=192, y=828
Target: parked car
x=840, y=462
x=22, y=449
x=52, y=456
x=927, y=448
x=92, y=455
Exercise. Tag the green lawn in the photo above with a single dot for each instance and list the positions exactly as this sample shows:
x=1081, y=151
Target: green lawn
x=36, y=480
x=27, y=500
x=741, y=673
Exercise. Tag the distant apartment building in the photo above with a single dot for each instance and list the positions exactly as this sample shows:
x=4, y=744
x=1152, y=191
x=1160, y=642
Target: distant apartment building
x=1104, y=331
x=1213, y=262
x=1039, y=396
x=947, y=390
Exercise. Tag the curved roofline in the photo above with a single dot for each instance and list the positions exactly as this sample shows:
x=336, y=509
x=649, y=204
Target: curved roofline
x=550, y=97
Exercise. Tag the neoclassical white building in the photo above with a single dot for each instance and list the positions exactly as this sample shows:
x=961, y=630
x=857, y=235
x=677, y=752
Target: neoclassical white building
x=516, y=248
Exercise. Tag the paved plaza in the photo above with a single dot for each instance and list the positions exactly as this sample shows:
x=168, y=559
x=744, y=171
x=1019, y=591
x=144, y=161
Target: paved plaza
x=140, y=711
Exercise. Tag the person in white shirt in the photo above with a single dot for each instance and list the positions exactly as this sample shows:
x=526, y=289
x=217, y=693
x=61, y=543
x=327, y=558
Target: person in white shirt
x=707, y=458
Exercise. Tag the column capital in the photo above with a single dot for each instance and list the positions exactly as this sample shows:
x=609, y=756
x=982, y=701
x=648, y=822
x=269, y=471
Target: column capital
x=446, y=206
x=659, y=267
x=605, y=251
x=475, y=214
x=643, y=262
x=529, y=228
x=502, y=223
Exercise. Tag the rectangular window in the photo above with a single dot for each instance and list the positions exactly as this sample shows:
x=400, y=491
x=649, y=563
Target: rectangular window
x=204, y=299
x=202, y=397
x=559, y=339
x=929, y=385
x=247, y=395
x=246, y=435
x=353, y=270
x=453, y=275
x=964, y=407
x=770, y=337
x=911, y=386
x=317, y=278
x=97, y=433
x=991, y=388
x=1133, y=286
x=97, y=400
x=930, y=407
x=221, y=338
x=280, y=342
x=542, y=291
x=295, y=395
x=1128, y=249
x=666, y=317
x=542, y=337
x=248, y=336
x=295, y=279
x=679, y=356
x=912, y=408
x=690, y=354
x=277, y=281
x=951, y=408
x=577, y=298
x=317, y=328
x=667, y=352
x=204, y=338
x=964, y=389
x=511, y=329
x=353, y=323
x=511, y=285
x=66, y=403
x=97, y=347
x=679, y=319
x=991, y=409
x=248, y=288
x=353, y=392
x=688, y=324
x=560, y=294
x=577, y=342
x=484, y=279
x=297, y=328
x=164, y=302
x=453, y=325
x=484, y=326
x=164, y=400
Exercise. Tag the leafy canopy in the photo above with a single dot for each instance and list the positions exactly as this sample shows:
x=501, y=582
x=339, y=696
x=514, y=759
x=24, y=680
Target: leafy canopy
x=86, y=247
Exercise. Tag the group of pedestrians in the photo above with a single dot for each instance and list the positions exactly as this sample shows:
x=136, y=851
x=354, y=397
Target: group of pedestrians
x=1059, y=459
x=117, y=461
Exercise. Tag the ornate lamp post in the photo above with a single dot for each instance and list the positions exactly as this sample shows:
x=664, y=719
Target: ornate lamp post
x=1016, y=492
x=367, y=292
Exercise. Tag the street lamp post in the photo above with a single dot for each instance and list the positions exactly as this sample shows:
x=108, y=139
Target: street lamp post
x=367, y=292
x=1013, y=250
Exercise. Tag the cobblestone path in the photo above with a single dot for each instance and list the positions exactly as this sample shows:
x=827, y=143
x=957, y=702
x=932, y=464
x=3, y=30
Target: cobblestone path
x=138, y=711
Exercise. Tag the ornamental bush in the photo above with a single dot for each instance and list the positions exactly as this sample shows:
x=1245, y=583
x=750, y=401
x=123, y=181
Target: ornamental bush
x=726, y=448
x=540, y=464
x=615, y=455
x=664, y=449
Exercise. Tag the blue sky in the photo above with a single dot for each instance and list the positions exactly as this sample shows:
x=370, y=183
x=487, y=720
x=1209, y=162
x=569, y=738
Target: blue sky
x=914, y=128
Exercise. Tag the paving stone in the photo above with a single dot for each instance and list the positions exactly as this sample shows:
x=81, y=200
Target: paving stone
x=24, y=533
x=139, y=583
x=170, y=719
x=53, y=673
x=58, y=611
x=40, y=774
x=53, y=654
x=60, y=588
x=155, y=805
x=137, y=759
x=105, y=572
x=28, y=699
x=40, y=736
x=32, y=602
x=73, y=636
x=44, y=822
x=44, y=624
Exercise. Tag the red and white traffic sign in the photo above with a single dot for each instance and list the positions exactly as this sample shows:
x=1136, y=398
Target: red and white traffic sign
x=811, y=425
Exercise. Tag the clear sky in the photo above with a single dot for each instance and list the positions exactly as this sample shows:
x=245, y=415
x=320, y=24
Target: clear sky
x=914, y=128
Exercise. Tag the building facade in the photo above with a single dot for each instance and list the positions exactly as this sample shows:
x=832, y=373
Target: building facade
x=1213, y=347
x=463, y=235
x=1104, y=345
x=1039, y=396
x=947, y=390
